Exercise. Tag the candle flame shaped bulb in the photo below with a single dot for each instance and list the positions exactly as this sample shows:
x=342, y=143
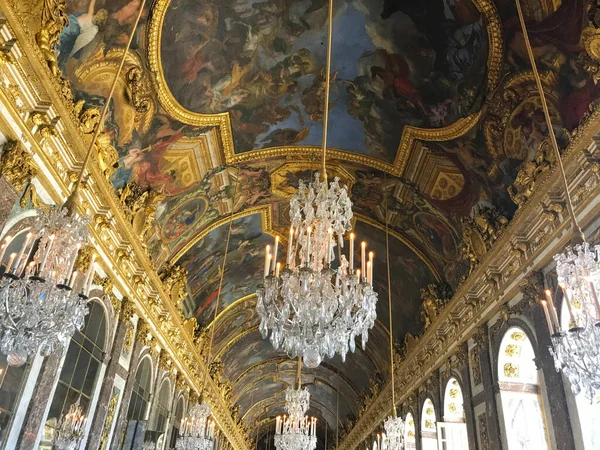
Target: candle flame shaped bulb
x=351, y=253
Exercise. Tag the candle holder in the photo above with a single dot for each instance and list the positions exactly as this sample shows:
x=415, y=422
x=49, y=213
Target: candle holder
x=71, y=428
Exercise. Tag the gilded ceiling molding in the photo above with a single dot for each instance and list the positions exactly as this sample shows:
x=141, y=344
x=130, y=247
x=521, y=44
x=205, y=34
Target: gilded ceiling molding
x=404, y=240
x=266, y=220
x=409, y=136
x=497, y=278
x=285, y=359
x=121, y=254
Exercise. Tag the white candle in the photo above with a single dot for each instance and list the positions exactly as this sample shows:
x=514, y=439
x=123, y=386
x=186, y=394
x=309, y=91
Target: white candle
x=553, y=315
x=275, y=252
x=358, y=274
x=363, y=264
x=22, y=251
x=329, y=243
x=308, y=231
x=90, y=274
x=369, y=272
x=73, y=278
x=569, y=306
x=267, y=262
x=289, y=252
x=48, y=249
x=4, y=247
x=10, y=262
x=277, y=267
x=72, y=263
x=371, y=254
x=351, y=252
x=547, y=317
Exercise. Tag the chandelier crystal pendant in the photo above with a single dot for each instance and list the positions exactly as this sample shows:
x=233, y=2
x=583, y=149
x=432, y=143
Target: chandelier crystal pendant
x=393, y=439
x=196, y=431
x=309, y=308
x=44, y=299
x=576, y=351
x=71, y=428
x=296, y=431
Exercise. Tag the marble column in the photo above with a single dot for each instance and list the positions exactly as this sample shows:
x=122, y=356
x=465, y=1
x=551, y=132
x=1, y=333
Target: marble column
x=490, y=389
x=465, y=376
x=106, y=392
x=40, y=400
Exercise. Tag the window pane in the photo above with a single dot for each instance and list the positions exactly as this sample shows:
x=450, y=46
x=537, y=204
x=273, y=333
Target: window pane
x=80, y=370
x=69, y=364
x=90, y=377
x=57, y=402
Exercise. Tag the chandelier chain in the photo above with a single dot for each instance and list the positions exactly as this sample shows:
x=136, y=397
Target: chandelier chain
x=389, y=286
x=327, y=87
x=106, y=105
x=222, y=275
x=538, y=81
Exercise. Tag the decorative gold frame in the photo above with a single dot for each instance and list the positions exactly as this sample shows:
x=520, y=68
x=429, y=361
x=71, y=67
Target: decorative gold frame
x=410, y=134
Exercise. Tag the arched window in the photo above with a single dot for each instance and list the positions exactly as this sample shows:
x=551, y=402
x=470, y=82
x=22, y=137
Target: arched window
x=409, y=432
x=161, y=413
x=520, y=393
x=80, y=369
x=140, y=397
x=428, y=426
x=177, y=421
x=452, y=433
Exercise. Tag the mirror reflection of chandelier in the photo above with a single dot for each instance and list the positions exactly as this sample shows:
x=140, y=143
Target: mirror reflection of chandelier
x=310, y=308
x=196, y=431
x=576, y=351
x=71, y=428
x=296, y=431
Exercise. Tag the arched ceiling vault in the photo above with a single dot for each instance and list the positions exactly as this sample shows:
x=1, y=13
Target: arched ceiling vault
x=220, y=115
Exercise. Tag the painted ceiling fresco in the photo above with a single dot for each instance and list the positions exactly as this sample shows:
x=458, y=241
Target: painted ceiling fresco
x=403, y=63
x=229, y=95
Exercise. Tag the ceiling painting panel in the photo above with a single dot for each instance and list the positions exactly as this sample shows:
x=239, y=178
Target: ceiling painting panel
x=263, y=64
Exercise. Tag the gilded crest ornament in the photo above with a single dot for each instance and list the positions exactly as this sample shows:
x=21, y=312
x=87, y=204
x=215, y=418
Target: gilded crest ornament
x=16, y=165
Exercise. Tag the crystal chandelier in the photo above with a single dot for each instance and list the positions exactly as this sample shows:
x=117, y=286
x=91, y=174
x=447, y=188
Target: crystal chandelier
x=309, y=308
x=71, y=429
x=576, y=352
x=196, y=432
x=296, y=431
x=43, y=301
x=393, y=438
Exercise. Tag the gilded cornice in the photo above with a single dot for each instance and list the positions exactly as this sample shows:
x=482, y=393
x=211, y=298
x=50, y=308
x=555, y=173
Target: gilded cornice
x=37, y=90
x=498, y=277
x=409, y=136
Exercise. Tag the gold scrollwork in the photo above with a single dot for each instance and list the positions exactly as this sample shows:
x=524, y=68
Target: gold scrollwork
x=16, y=165
x=110, y=416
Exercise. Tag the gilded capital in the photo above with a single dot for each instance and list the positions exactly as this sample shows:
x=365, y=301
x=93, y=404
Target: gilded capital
x=127, y=309
x=16, y=164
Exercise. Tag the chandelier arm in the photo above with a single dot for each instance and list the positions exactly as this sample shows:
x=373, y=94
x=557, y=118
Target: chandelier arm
x=389, y=286
x=71, y=201
x=577, y=229
x=327, y=87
